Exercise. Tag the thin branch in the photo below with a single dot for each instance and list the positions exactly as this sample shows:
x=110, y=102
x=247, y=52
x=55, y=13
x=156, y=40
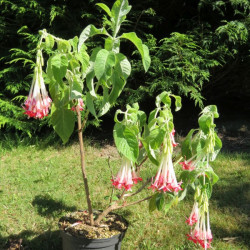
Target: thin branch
x=112, y=192
x=134, y=203
x=138, y=166
x=140, y=189
x=85, y=180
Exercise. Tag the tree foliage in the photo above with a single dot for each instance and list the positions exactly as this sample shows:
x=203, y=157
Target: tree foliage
x=190, y=43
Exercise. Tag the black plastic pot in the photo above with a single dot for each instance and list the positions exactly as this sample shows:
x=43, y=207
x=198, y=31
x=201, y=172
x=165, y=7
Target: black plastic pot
x=71, y=242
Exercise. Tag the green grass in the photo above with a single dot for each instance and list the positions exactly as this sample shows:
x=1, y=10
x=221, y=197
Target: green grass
x=40, y=184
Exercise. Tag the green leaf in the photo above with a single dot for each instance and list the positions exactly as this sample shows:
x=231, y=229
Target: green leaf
x=164, y=98
x=117, y=87
x=63, y=46
x=118, y=13
x=150, y=152
x=186, y=147
x=90, y=83
x=211, y=109
x=143, y=49
x=63, y=121
x=152, y=203
x=112, y=44
x=103, y=63
x=90, y=104
x=177, y=102
x=105, y=103
x=49, y=41
x=123, y=66
x=156, y=137
x=126, y=142
x=172, y=203
x=212, y=176
x=205, y=122
x=105, y=8
x=59, y=65
x=159, y=200
x=88, y=32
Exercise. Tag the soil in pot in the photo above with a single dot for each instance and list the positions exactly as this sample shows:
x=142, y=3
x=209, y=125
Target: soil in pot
x=77, y=234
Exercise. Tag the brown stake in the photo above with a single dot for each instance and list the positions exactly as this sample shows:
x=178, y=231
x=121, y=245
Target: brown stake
x=85, y=180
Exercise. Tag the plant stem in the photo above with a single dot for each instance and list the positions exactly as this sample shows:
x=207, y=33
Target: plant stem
x=135, y=202
x=85, y=180
x=109, y=209
x=140, y=189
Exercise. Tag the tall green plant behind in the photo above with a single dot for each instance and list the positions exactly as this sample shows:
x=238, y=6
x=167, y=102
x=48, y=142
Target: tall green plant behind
x=184, y=62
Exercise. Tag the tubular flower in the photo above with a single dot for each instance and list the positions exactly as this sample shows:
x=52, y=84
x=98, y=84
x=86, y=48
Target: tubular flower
x=172, y=138
x=187, y=165
x=38, y=102
x=193, y=218
x=165, y=179
x=126, y=176
x=79, y=104
x=201, y=233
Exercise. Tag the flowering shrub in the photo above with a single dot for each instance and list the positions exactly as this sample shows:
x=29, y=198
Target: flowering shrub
x=81, y=84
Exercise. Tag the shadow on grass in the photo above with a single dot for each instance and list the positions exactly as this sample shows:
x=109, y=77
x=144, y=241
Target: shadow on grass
x=239, y=237
x=46, y=206
x=235, y=196
x=49, y=240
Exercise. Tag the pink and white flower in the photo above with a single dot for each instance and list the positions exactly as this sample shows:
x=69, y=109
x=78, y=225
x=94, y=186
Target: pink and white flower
x=165, y=179
x=79, y=104
x=201, y=233
x=126, y=176
x=38, y=102
x=187, y=165
x=193, y=218
x=175, y=144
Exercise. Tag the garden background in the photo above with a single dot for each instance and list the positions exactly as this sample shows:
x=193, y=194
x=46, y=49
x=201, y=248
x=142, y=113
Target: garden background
x=199, y=50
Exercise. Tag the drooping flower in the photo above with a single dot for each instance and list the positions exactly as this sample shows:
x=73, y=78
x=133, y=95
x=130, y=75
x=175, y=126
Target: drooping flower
x=201, y=233
x=172, y=138
x=79, y=104
x=193, y=218
x=38, y=102
x=126, y=176
x=187, y=165
x=165, y=179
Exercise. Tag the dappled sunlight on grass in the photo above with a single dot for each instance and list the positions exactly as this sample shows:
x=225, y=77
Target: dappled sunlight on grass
x=38, y=186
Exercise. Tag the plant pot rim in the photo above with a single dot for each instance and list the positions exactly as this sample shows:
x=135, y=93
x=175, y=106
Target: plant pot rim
x=118, y=232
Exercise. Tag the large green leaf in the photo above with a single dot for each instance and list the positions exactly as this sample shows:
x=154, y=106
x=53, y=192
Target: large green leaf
x=126, y=142
x=63, y=121
x=105, y=8
x=118, y=13
x=123, y=66
x=59, y=63
x=117, y=87
x=156, y=137
x=90, y=104
x=88, y=32
x=112, y=44
x=205, y=122
x=103, y=63
x=142, y=48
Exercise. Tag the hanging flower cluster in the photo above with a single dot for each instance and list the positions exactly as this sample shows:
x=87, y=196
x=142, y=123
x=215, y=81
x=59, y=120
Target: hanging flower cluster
x=38, y=102
x=79, y=104
x=201, y=233
x=126, y=176
x=165, y=179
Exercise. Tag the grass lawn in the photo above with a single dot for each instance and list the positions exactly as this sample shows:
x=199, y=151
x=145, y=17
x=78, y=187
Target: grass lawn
x=39, y=185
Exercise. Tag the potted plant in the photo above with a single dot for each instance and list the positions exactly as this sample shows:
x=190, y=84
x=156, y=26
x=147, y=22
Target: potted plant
x=84, y=83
